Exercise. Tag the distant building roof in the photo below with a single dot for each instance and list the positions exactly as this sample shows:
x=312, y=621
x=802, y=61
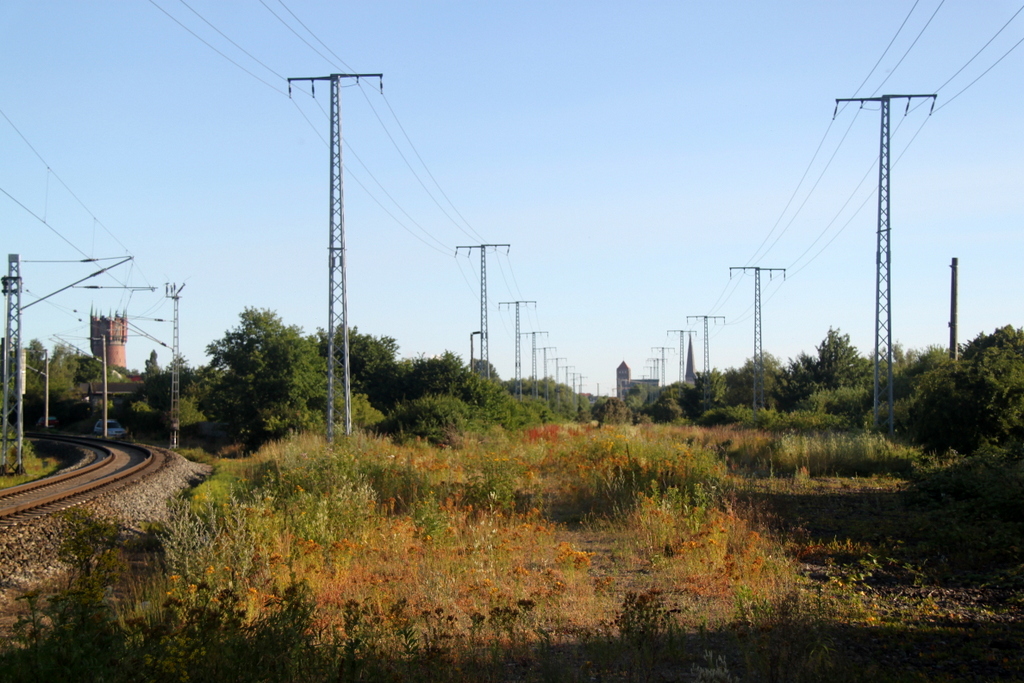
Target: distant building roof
x=95, y=388
x=623, y=365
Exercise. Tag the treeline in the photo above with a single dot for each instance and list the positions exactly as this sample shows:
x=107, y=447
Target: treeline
x=967, y=405
x=265, y=379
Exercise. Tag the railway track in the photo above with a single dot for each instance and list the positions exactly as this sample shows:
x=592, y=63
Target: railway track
x=114, y=465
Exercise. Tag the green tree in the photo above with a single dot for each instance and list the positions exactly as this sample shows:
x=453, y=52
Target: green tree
x=977, y=401
x=739, y=382
x=268, y=379
x=374, y=367
x=152, y=364
x=837, y=364
x=666, y=408
x=64, y=403
x=612, y=411
x=691, y=399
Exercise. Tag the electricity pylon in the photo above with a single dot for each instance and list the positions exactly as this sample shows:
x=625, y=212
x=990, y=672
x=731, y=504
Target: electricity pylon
x=707, y=354
x=663, y=349
x=883, y=260
x=485, y=355
x=758, y=349
x=13, y=360
x=682, y=359
x=173, y=292
x=572, y=387
x=545, y=350
x=12, y=379
x=533, y=335
x=337, y=291
x=558, y=393
x=519, y=370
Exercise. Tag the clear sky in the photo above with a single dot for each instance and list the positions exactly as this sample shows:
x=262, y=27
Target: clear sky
x=629, y=153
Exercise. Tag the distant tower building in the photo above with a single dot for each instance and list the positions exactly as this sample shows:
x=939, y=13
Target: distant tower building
x=691, y=376
x=115, y=329
x=622, y=379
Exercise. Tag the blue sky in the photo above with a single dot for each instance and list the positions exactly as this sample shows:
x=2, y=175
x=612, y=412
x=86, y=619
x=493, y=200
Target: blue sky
x=630, y=154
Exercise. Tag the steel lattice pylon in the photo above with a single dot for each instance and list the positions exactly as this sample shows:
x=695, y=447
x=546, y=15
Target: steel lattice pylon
x=174, y=293
x=706, y=379
x=758, y=402
x=485, y=356
x=883, y=284
x=519, y=365
x=337, y=292
x=12, y=370
x=682, y=358
x=883, y=383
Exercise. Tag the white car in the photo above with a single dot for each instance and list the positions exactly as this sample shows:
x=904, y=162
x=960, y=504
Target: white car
x=114, y=429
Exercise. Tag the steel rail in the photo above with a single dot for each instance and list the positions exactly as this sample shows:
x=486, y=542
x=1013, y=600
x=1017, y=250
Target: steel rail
x=87, y=490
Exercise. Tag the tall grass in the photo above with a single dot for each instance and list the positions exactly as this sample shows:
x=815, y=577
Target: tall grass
x=568, y=553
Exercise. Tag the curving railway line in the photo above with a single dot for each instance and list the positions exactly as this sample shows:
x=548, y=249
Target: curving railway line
x=114, y=464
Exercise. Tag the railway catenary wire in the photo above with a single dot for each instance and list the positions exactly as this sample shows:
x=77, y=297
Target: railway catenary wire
x=115, y=464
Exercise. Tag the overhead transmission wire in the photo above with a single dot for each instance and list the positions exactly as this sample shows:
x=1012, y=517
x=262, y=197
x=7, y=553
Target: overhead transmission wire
x=983, y=73
x=821, y=143
x=886, y=50
x=50, y=171
x=472, y=290
x=308, y=30
x=43, y=221
x=475, y=234
x=920, y=33
x=413, y=171
x=359, y=182
x=911, y=141
x=426, y=168
x=341, y=62
x=289, y=27
x=813, y=187
x=842, y=208
x=225, y=37
x=719, y=302
x=207, y=44
x=303, y=114
x=445, y=249
x=811, y=191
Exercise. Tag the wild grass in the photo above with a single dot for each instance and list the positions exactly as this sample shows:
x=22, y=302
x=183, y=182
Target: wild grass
x=559, y=553
x=36, y=466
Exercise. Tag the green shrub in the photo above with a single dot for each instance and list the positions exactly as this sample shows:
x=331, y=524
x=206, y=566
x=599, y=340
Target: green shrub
x=985, y=486
x=437, y=419
x=726, y=416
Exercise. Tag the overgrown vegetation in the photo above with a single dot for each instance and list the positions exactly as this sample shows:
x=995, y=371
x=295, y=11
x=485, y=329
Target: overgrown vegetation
x=552, y=553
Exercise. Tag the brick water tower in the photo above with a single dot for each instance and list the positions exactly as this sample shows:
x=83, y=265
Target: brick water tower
x=115, y=329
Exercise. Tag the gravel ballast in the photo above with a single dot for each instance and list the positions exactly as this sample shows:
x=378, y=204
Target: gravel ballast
x=28, y=550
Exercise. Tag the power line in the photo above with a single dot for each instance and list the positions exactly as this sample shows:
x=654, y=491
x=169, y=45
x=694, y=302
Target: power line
x=886, y=50
x=294, y=16
x=225, y=37
x=426, y=168
x=207, y=44
x=413, y=171
x=921, y=33
x=979, y=52
x=983, y=73
x=50, y=170
x=296, y=33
